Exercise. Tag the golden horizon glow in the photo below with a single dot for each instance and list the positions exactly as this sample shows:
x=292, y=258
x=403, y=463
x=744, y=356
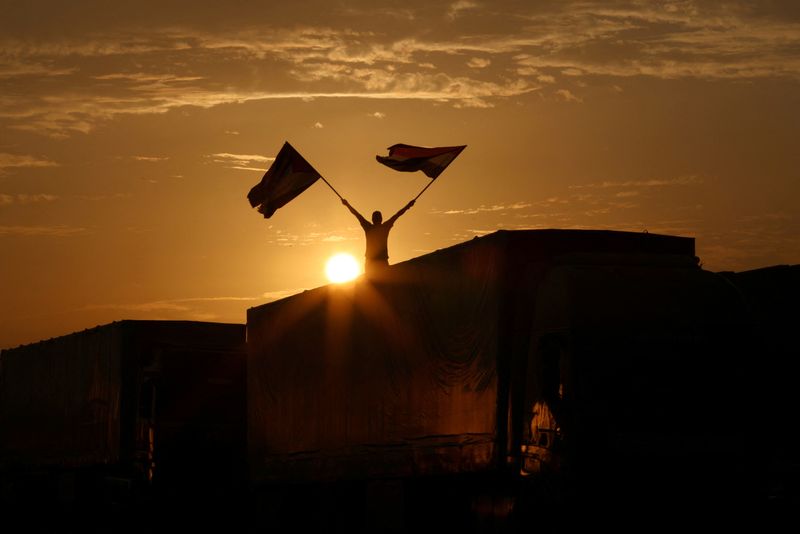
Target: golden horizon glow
x=121, y=128
x=342, y=267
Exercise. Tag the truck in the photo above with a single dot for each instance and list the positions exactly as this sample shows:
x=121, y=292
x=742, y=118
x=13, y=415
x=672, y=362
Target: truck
x=510, y=382
x=772, y=295
x=120, y=414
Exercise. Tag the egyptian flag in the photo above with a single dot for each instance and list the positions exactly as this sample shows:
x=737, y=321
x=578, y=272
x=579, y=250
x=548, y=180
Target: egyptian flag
x=288, y=176
x=431, y=161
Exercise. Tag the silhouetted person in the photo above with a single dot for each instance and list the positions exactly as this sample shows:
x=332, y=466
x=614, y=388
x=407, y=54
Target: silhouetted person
x=376, y=258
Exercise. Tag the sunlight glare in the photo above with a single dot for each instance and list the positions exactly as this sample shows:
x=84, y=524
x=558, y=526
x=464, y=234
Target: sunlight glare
x=342, y=268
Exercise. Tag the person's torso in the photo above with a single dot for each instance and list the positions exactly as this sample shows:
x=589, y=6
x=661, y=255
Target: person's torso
x=377, y=241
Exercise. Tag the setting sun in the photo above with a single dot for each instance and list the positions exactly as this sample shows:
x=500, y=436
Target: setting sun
x=342, y=268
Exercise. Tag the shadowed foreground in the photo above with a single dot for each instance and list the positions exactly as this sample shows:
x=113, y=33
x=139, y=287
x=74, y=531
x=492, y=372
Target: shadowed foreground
x=536, y=381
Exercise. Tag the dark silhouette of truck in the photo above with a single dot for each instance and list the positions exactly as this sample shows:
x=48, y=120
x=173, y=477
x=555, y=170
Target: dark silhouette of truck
x=524, y=381
x=772, y=295
x=122, y=414
x=516, y=382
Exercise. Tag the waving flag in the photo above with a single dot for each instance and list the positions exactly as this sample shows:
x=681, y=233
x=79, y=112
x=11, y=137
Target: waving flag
x=431, y=161
x=288, y=176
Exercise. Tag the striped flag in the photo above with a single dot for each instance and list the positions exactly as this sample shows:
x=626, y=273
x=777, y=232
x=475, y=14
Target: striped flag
x=431, y=161
x=288, y=176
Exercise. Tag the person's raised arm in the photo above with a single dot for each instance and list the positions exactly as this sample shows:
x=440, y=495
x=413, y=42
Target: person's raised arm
x=358, y=216
x=397, y=215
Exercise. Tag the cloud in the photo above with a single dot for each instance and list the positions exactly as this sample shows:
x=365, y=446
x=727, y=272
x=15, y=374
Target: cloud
x=54, y=231
x=388, y=85
x=151, y=159
x=150, y=79
x=102, y=197
x=483, y=209
x=22, y=198
x=187, y=304
x=715, y=42
x=378, y=115
x=567, y=96
x=334, y=239
x=244, y=162
x=277, y=295
x=287, y=239
x=14, y=69
x=680, y=180
x=458, y=7
x=578, y=39
x=191, y=307
x=313, y=54
x=318, y=125
x=69, y=114
x=8, y=161
x=478, y=63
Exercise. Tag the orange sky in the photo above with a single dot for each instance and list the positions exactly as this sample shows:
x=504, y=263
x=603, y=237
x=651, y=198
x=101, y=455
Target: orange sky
x=130, y=136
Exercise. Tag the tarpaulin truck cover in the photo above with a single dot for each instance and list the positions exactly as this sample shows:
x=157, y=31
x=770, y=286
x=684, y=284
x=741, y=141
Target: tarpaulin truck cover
x=73, y=400
x=424, y=372
x=636, y=367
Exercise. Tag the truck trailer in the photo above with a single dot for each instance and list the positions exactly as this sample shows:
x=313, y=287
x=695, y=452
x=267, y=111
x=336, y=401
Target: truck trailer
x=772, y=295
x=122, y=413
x=511, y=382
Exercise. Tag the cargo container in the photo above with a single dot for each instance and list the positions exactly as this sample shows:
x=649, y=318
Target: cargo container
x=773, y=298
x=507, y=382
x=123, y=411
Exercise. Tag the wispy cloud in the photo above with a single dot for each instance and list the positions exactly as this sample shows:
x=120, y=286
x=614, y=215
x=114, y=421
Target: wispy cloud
x=479, y=63
x=189, y=303
x=291, y=239
x=53, y=231
x=104, y=197
x=16, y=68
x=23, y=198
x=483, y=209
x=149, y=80
x=567, y=96
x=151, y=159
x=335, y=239
x=171, y=304
x=460, y=6
x=8, y=161
x=269, y=296
x=244, y=162
x=657, y=182
x=61, y=116
x=538, y=45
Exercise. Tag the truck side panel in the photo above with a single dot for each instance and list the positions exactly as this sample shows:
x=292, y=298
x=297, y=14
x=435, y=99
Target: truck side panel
x=377, y=379
x=60, y=400
x=637, y=380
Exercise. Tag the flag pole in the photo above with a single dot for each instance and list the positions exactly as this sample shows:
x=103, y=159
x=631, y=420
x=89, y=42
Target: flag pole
x=332, y=189
x=423, y=190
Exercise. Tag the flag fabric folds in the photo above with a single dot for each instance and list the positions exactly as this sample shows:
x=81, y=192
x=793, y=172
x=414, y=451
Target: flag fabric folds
x=431, y=161
x=288, y=176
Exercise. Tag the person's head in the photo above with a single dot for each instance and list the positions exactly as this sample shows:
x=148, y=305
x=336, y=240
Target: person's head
x=377, y=217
